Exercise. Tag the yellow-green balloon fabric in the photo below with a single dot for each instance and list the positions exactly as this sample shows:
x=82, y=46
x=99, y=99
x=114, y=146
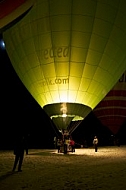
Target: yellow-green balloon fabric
x=69, y=51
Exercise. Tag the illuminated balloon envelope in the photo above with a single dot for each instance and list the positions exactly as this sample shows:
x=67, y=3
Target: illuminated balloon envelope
x=111, y=111
x=69, y=52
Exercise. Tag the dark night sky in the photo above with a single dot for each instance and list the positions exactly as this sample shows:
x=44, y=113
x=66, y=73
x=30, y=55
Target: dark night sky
x=20, y=112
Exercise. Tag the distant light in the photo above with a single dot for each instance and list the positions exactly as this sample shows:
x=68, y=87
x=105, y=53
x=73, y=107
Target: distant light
x=2, y=44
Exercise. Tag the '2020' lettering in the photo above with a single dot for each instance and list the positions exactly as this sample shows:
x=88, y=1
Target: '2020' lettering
x=56, y=52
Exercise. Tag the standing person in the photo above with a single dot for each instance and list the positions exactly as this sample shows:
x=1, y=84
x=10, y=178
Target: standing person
x=58, y=144
x=19, y=153
x=55, y=142
x=65, y=140
x=72, y=144
x=95, y=143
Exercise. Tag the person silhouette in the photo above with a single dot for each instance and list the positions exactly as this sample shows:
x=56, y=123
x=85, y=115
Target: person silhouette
x=72, y=144
x=19, y=153
x=58, y=145
x=95, y=143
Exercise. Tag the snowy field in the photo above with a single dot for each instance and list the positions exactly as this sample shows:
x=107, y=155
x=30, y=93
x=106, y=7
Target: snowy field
x=83, y=170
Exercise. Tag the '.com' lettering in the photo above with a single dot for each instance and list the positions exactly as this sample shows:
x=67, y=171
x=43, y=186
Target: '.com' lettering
x=56, y=81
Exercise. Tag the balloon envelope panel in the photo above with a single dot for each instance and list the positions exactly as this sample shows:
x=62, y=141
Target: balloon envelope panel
x=69, y=51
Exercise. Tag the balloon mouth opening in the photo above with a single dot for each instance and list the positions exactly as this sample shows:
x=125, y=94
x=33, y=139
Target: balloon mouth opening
x=65, y=109
x=62, y=114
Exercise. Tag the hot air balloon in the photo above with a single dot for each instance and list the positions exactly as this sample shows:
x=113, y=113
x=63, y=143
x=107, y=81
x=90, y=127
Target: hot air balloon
x=111, y=111
x=11, y=11
x=69, y=54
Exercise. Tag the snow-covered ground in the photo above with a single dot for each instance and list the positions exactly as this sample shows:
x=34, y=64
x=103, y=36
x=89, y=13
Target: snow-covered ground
x=83, y=170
